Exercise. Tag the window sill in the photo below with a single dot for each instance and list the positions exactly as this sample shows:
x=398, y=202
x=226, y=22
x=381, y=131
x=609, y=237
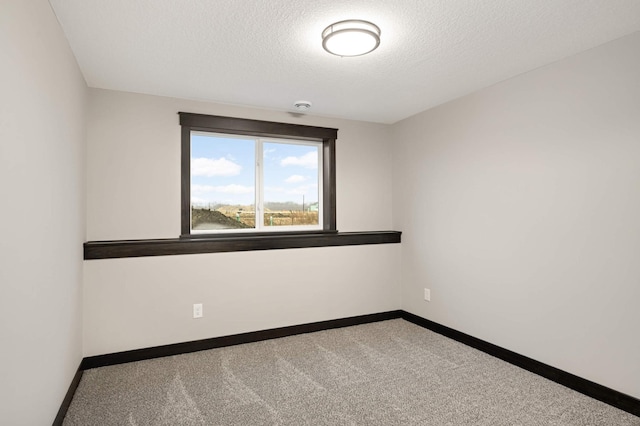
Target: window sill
x=222, y=244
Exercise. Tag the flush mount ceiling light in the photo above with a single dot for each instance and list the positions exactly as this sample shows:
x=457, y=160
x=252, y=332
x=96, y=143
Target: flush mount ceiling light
x=351, y=38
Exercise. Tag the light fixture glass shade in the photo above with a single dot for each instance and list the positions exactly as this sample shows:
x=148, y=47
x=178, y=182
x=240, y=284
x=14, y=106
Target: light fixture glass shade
x=351, y=38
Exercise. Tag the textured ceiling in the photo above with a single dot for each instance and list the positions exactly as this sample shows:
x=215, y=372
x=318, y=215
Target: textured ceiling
x=268, y=53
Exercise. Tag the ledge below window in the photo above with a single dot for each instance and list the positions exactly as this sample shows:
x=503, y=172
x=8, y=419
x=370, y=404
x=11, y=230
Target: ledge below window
x=174, y=246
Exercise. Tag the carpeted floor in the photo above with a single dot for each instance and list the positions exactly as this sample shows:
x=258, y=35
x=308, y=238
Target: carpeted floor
x=385, y=373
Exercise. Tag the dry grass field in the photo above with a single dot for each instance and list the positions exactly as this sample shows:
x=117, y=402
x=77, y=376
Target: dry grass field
x=244, y=216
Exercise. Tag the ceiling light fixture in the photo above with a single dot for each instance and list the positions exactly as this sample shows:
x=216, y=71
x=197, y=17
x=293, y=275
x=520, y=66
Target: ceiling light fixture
x=351, y=38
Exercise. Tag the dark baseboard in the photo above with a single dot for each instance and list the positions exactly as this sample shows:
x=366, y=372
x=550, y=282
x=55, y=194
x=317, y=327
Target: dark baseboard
x=594, y=390
x=237, y=339
x=66, y=402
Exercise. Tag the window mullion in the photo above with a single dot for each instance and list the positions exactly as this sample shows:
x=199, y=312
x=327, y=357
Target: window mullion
x=259, y=185
x=320, y=188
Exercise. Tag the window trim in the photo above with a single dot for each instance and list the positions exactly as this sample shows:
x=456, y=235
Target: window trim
x=268, y=129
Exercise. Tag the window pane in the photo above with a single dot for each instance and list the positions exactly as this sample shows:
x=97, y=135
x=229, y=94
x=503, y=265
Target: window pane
x=291, y=184
x=222, y=182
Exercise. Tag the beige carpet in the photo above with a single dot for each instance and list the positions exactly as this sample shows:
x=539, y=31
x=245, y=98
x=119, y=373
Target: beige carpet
x=385, y=373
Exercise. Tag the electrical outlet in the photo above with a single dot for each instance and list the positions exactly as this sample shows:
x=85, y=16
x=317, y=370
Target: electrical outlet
x=427, y=295
x=197, y=310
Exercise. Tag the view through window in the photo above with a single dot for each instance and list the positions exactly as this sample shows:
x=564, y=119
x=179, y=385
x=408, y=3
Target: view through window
x=250, y=184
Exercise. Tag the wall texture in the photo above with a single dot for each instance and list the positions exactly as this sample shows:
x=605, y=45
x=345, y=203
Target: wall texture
x=42, y=126
x=519, y=208
x=133, y=178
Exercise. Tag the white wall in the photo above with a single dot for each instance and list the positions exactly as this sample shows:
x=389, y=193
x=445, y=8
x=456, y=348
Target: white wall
x=520, y=208
x=144, y=302
x=133, y=165
x=42, y=100
x=133, y=178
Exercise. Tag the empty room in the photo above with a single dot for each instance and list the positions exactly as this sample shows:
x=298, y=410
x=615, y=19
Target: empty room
x=418, y=212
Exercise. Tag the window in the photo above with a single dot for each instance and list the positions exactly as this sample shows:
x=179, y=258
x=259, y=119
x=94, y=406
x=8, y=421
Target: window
x=246, y=176
x=248, y=184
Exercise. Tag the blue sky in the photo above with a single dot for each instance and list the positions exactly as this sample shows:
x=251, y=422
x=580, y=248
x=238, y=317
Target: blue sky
x=223, y=170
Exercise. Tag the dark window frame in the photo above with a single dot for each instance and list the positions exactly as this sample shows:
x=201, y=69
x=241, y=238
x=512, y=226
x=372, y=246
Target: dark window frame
x=247, y=127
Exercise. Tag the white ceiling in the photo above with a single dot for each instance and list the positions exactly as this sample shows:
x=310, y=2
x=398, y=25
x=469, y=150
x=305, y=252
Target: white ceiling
x=268, y=53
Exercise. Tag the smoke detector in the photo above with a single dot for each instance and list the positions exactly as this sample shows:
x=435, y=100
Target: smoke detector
x=302, y=105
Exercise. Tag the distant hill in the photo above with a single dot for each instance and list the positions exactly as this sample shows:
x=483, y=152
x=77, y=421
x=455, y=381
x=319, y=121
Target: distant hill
x=284, y=206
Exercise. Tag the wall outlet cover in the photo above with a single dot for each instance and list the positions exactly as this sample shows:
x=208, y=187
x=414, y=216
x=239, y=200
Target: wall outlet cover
x=197, y=310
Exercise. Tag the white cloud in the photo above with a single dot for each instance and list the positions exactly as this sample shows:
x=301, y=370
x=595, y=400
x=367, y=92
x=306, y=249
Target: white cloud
x=214, y=167
x=234, y=189
x=297, y=191
x=303, y=189
x=197, y=190
x=198, y=200
x=295, y=179
x=274, y=189
x=309, y=160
